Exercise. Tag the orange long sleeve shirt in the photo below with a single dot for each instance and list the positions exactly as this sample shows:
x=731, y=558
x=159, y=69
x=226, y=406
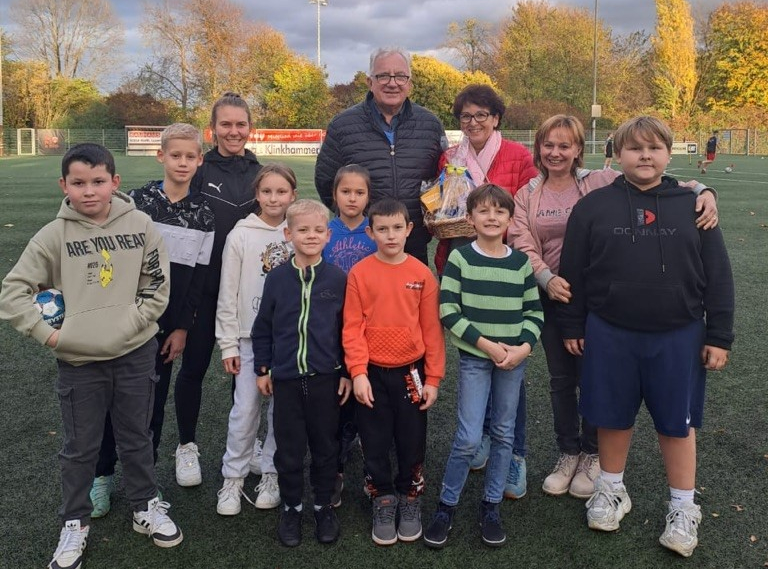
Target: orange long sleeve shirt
x=391, y=318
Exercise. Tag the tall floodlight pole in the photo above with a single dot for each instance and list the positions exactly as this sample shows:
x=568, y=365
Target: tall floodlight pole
x=319, y=3
x=595, y=112
x=2, y=140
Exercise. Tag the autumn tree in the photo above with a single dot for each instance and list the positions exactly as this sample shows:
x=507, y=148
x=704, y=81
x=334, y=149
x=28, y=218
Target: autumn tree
x=544, y=54
x=344, y=95
x=132, y=108
x=674, y=60
x=75, y=38
x=436, y=84
x=737, y=57
x=469, y=40
x=298, y=97
x=625, y=91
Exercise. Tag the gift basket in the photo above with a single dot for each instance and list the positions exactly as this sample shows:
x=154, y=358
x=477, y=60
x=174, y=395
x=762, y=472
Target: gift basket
x=445, y=203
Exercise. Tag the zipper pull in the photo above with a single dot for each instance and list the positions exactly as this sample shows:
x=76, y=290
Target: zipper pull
x=391, y=149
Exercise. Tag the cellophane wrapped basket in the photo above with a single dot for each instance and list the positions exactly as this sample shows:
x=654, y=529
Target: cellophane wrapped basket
x=445, y=203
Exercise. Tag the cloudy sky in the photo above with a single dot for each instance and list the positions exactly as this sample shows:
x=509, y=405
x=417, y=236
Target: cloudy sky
x=351, y=29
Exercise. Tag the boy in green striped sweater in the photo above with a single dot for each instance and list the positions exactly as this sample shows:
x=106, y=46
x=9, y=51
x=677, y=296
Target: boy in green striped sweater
x=489, y=303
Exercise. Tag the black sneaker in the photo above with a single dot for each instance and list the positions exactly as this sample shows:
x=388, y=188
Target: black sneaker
x=490, y=525
x=326, y=525
x=437, y=533
x=289, y=528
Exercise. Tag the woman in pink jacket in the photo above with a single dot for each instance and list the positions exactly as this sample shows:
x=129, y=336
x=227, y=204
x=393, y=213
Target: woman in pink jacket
x=538, y=228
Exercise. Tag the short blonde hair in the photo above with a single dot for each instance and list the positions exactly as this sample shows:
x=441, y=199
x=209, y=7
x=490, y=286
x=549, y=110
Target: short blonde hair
x=181, y=131
x=306, y=207
x=642, y=128
x=568, y=123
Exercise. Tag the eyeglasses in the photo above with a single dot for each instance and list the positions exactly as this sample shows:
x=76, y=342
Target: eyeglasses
x=385, y=78
x=479, y=116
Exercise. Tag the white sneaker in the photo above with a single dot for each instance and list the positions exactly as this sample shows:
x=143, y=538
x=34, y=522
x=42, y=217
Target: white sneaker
x=587, y=471
x=558, y=482
x=269, y=492
x=681, y=533
x=255, y=463
x=155, y=523
x=607, y=506
x=188, y=465
x=72, y=542
x=229, y=497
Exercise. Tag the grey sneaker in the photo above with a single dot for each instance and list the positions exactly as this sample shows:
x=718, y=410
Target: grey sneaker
x=558, y=482
x=409, y=510
x=681, y=533
x=583, y=483
x=72, y=542
x=516, y=484
x=384, y=510
x=607, y=506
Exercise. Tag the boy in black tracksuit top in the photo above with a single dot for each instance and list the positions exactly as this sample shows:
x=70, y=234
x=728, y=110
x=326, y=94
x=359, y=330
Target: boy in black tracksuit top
x=651, y=310
x=298, y=358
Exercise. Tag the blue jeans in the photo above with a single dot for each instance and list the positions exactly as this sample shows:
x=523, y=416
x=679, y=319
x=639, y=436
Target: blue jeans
x=479, y=378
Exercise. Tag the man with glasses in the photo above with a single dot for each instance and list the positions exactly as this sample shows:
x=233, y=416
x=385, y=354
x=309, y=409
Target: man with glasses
x=398, y=141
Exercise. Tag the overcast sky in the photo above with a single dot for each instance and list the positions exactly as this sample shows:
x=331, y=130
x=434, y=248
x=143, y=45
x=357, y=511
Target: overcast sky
x=351, y=29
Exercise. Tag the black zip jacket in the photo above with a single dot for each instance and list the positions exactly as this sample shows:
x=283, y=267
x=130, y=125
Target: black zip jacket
x=226, y=182
x=636, y=259
x=297, y=331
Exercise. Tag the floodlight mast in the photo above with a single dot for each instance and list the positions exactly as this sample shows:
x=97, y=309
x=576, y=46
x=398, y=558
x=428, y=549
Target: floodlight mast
x=319, y=4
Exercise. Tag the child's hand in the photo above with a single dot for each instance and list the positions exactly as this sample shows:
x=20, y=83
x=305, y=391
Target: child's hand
x=264, y=384
x=714, y=358
x=362, y=389
x=429, y=395
x=232, y=365
x=575, y=347
x=494, y=350
x=174, y=344
x=559, y=290
x=707, y=205
x=345, y=388
x=515, y=355
x=53, y=339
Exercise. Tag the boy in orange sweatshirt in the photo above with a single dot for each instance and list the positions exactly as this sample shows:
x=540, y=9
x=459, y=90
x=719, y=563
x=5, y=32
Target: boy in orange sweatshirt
x=395, y=354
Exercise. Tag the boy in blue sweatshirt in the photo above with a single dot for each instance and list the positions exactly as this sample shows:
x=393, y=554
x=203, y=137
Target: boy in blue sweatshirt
x=298, y=359
x=651, y=311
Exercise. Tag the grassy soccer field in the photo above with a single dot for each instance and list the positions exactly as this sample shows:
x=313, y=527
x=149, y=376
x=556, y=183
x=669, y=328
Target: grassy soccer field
x=544, y=532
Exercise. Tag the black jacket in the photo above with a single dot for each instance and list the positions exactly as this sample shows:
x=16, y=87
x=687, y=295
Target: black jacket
x=227, y=184
x=636, y=259
x=297, y=331
x=354, y=136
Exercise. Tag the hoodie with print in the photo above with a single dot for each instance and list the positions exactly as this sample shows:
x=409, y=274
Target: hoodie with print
x=113, y=276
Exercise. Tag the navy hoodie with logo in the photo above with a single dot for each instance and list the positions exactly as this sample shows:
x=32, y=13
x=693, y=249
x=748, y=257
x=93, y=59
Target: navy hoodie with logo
x=636, y=259
x=227, y=184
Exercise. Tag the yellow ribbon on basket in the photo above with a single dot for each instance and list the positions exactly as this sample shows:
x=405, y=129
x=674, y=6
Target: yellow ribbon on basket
x=456, y=170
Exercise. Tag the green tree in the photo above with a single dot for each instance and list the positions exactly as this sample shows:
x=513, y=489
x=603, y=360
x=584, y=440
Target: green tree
x=674, y=61
x=298, y=97
x=436, y=84
x=737, y=57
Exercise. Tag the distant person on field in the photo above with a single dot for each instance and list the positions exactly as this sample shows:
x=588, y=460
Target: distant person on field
x=109, y=262
x=254, y=248
x=298, y=360
x=225, y=179
x=489, y=304
x=186, y=224
x=651, y=310
x=608, y=152
x=712, y=147
x=395, y=353
x=398, y=141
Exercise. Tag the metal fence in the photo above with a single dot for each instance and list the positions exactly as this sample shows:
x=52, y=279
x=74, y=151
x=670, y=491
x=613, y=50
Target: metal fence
x=58, y=141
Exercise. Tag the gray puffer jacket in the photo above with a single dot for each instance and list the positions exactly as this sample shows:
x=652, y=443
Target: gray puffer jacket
x=354, y=136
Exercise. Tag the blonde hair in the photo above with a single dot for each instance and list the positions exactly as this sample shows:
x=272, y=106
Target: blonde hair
x=568, y=123
x=181, y=131
x=642, y=128
x=306, y=207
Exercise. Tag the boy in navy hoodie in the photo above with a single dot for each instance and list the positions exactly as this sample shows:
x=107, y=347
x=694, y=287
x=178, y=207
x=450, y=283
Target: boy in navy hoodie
x=298, y=359
x=651, y=311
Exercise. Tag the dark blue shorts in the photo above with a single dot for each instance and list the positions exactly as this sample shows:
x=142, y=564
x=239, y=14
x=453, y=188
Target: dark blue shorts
x=623, y=368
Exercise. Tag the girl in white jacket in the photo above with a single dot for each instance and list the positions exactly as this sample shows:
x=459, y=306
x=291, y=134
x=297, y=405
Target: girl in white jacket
x=255, y=246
